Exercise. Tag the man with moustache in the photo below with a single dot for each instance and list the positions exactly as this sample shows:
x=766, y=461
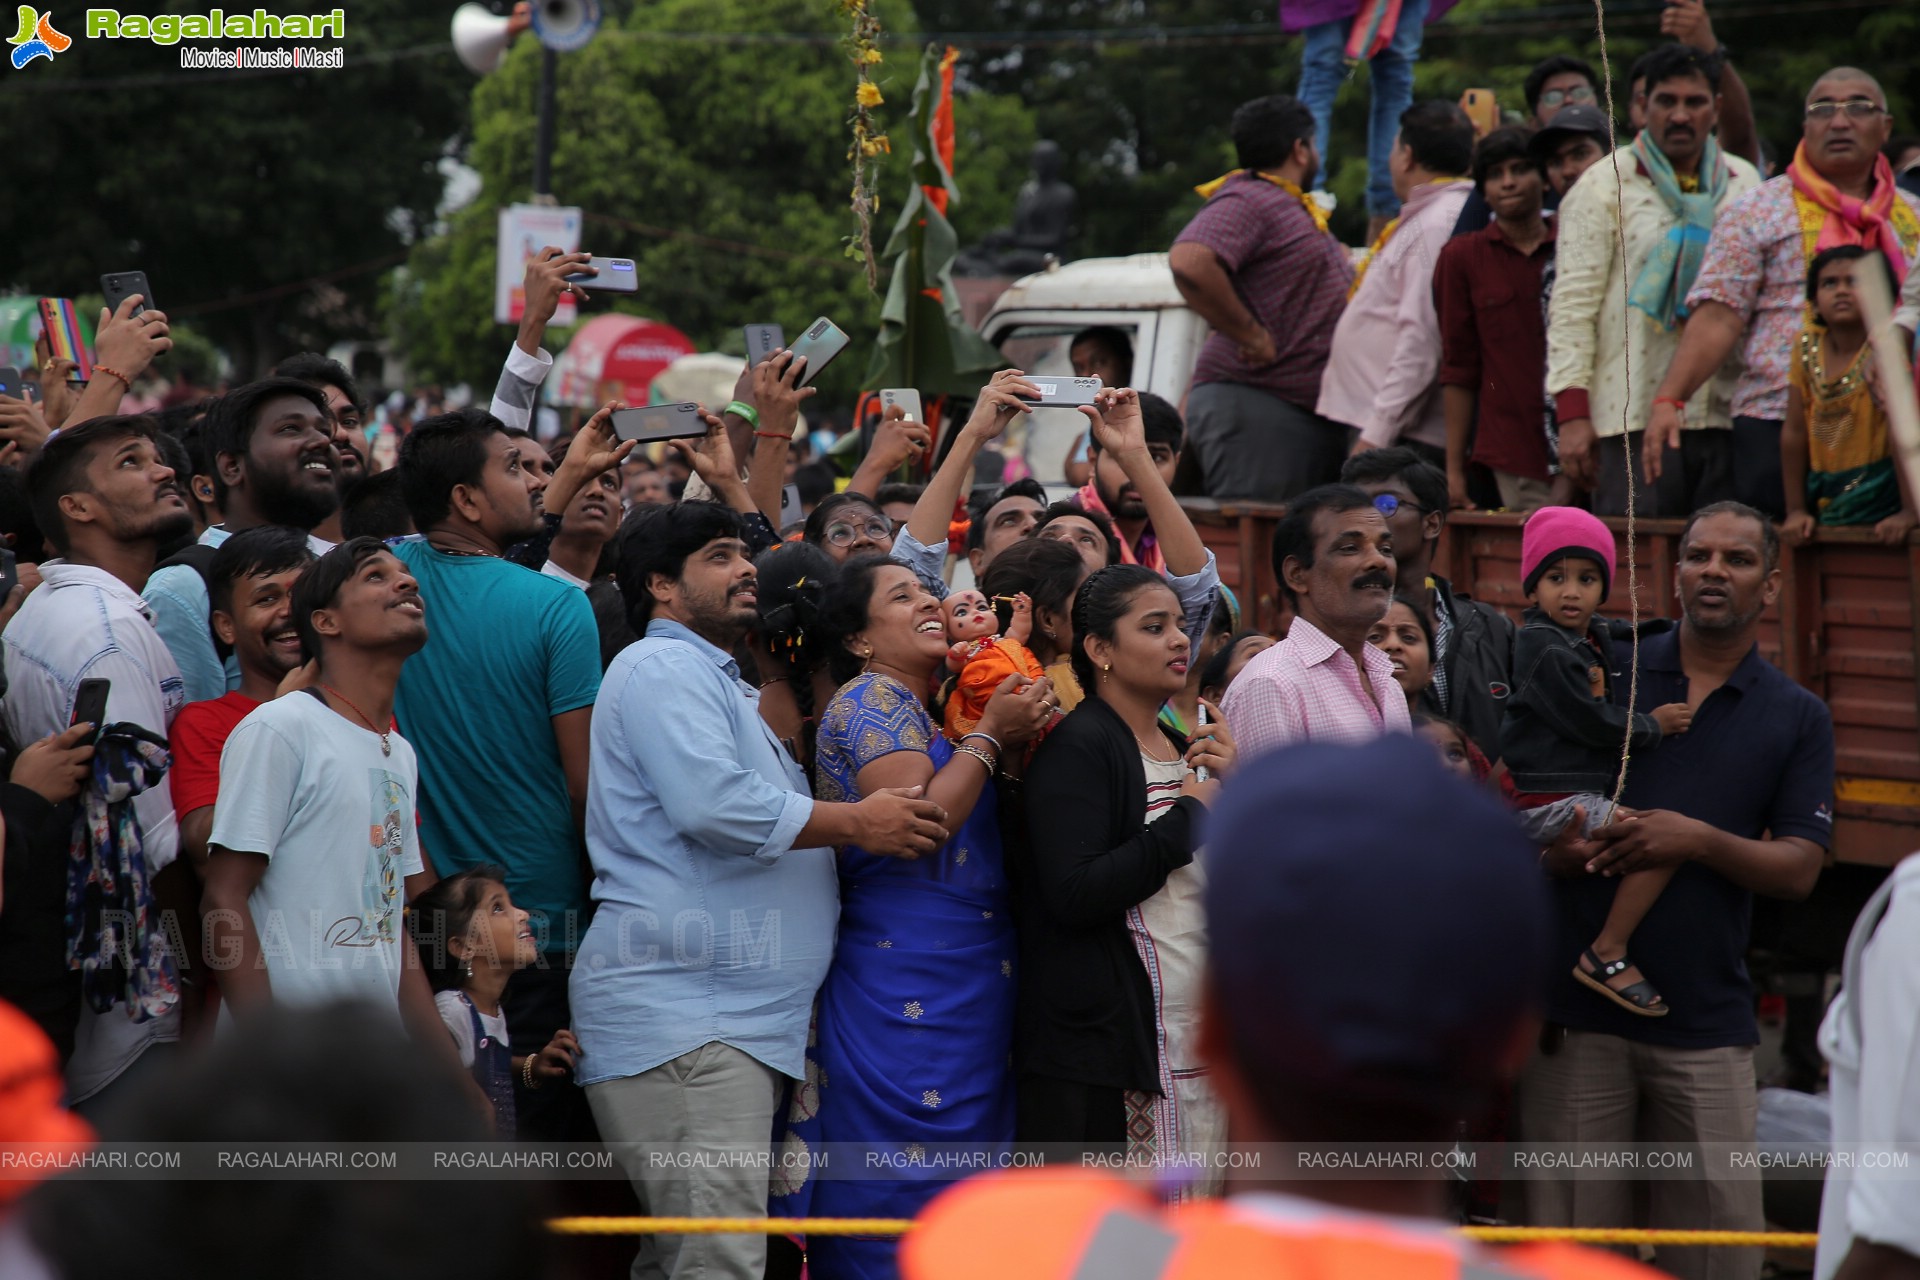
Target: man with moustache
x=498, y=704
x=274, y=463
x=1674, y=182
x=1333, y=557
x=1742, y=804
x=104, y=501
x=1751, y=290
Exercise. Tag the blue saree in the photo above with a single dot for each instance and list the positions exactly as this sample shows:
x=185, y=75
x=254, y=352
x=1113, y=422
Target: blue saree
x=915, y=1020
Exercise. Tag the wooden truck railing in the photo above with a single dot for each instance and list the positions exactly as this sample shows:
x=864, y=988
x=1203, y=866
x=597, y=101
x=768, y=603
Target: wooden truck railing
x=1844, y=627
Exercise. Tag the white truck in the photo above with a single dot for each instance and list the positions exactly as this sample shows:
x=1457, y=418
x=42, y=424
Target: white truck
x=1034, y=321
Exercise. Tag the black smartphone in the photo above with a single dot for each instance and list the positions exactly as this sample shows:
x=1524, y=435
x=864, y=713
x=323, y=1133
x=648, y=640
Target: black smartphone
x=615, y=275
x=762, y=341
x=118, y=286
x=822, y=341
x=90, y=703
x=11, y=383
x=656, y=422
x=9, y=572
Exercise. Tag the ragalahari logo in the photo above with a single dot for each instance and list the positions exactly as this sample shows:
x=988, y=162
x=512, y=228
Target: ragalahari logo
x=37, y=38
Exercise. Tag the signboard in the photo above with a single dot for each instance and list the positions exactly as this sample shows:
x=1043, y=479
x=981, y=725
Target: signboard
x=525, y=229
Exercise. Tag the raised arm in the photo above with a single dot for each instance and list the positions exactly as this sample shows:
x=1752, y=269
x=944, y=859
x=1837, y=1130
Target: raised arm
x=528, y=363
x=997, y=405
x=594, y=449
x=776, y=400
x=126, y=344
x=1119, y=428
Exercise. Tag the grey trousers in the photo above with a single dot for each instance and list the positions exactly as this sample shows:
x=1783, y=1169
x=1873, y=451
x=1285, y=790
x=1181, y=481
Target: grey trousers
x=1605, y=1089
x=1699, y=472
x=715, y=1099
x=1253, y=445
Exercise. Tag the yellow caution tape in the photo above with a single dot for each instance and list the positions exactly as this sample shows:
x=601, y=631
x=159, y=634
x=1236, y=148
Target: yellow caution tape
x=900, y=1226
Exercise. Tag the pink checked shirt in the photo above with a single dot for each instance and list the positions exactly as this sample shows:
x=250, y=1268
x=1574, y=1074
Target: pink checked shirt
x=1307, y=689
x=1756, y=263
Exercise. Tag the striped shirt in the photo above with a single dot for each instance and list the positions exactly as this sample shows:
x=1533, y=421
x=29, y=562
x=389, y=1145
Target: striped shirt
x=1307, y=689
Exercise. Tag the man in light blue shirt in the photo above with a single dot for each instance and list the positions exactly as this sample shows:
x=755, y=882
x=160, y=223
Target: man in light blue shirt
x=716, y=890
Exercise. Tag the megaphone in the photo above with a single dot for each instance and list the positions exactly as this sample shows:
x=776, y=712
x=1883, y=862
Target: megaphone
x=480, y=38
x=565, y=25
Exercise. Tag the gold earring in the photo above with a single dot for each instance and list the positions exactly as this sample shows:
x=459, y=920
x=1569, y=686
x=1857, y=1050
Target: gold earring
x=866, y=658
x=1106, y=669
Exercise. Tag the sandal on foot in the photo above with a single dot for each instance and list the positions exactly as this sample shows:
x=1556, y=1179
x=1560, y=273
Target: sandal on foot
x=1640, y=998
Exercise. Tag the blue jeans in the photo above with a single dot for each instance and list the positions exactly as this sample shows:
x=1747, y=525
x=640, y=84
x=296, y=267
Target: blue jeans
x=1323, y=66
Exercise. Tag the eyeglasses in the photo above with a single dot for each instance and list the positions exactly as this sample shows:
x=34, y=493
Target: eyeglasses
x=843, y=535
x=1560, y=97
x=1856, y=109
x=1387, y=504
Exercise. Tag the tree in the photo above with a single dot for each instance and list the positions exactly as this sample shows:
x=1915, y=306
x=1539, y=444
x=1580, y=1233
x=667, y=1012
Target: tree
x=237, y=193
x=719, y=167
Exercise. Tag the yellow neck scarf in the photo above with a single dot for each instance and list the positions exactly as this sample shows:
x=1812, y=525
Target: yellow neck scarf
x=1206, y=191
x=1386, y=234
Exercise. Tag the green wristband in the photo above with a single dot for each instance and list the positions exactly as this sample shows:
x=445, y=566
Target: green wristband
x=741, y=409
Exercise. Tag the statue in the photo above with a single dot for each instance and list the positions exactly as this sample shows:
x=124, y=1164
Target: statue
x=1043, y=223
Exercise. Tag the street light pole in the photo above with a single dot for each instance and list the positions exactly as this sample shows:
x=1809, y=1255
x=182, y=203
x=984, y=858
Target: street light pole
x=543, y=130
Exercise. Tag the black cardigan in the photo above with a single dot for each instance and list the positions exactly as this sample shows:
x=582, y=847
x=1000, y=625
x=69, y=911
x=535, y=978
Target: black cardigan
x=1086, y=1008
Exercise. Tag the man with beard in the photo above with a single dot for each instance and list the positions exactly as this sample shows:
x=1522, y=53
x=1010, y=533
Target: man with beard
x=274, y=463
x=704, y=839
x=104, y=501
x=1116, y=495
x=348, y=411
x=1674, y=183
x=1750, y=293
x=503, y=755
x=1742, y=805
x=1333, y=557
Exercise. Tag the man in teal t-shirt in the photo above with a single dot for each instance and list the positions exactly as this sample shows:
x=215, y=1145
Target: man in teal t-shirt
x=498, y=705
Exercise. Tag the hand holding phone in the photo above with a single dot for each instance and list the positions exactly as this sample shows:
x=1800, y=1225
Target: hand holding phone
x=60, y=325
x=90, y=703
x=615, y=275
x=902, y=397
x=762, y=341
x=654, y=423
x=120, y=285
x=822, y=341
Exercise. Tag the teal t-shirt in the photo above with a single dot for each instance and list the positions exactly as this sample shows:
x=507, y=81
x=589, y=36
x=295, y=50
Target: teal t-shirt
x=507, y=650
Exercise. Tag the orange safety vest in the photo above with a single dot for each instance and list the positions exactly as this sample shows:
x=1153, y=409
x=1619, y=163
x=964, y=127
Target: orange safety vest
x=1074, y=1225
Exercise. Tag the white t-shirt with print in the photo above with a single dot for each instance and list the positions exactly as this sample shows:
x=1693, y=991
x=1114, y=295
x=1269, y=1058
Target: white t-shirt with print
x=334, y=817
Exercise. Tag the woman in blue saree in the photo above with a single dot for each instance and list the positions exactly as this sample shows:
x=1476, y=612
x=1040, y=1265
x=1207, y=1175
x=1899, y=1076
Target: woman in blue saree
x=915, y=1020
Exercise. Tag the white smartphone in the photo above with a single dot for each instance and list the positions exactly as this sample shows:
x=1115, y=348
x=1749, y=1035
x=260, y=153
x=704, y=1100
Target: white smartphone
x=1069, y=392
x=906, y=397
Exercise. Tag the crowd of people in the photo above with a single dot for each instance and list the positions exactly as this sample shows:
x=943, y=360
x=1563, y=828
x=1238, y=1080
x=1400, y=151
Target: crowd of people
x=688, y=827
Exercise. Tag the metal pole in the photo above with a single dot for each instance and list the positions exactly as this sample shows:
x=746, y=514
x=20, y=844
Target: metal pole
x=543, y=131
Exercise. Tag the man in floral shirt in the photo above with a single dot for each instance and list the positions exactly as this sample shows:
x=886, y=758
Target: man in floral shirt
x=1838, y=190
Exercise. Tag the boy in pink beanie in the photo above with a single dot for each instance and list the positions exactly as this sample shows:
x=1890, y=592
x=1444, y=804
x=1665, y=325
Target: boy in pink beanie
x=1562, y=733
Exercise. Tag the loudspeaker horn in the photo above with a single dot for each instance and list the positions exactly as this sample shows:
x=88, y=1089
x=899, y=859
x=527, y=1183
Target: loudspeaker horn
x=480, y=37
x=565, y=25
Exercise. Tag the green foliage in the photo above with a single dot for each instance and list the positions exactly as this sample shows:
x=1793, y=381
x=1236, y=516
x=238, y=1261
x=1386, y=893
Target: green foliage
x=221, y=188
x=741, y=144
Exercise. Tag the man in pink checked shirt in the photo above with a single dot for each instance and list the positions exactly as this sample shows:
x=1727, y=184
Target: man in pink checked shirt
x=1333, y=557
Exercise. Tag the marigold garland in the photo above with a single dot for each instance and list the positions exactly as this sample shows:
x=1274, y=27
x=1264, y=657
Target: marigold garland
x=869, y=144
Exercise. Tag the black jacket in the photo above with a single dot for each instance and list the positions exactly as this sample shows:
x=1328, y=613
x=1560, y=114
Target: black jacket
x=1086, y=1009
x=33, y=914
x=1479, y=665
x=1559, y=736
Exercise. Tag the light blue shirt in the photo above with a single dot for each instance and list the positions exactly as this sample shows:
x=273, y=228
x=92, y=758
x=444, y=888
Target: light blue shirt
x=711, y=926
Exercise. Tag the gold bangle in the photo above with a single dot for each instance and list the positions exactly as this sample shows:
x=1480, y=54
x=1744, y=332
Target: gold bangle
x=526, y=1072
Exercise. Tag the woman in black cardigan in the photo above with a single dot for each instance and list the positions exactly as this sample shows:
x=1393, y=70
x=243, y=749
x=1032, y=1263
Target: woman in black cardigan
x=1111, y=938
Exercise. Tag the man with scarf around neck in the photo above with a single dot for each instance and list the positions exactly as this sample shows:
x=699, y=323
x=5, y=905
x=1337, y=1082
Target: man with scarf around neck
x=1838, y=190
x=1259, y=266
x=1673, y=184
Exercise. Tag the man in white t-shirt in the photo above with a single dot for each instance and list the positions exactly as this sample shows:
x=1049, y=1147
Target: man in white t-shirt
x=314, y=852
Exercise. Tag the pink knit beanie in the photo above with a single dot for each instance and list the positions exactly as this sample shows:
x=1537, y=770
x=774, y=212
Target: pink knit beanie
x=1554, y=533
